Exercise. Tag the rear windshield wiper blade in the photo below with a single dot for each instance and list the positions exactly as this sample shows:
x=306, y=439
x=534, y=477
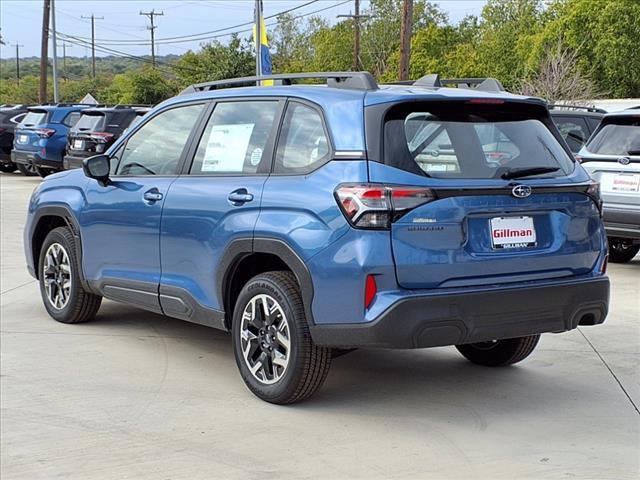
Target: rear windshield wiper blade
x=527, y=172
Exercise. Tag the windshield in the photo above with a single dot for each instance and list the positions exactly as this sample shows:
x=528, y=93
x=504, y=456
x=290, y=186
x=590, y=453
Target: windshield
x=33, y=118
x=89, y=123
x=616, y=140
x=475, y=142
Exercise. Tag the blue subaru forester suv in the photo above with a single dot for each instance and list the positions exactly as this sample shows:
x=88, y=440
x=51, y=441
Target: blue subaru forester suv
x=40, y=139
x=312, y=219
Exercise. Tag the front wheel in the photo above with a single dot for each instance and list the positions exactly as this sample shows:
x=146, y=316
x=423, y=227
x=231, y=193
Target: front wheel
x=275, y=354
x=62, y=293
x=499, y=353
x=8, y=167
x=622, y=250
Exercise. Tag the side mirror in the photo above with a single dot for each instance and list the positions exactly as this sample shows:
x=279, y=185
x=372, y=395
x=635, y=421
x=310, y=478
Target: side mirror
x=97, y=167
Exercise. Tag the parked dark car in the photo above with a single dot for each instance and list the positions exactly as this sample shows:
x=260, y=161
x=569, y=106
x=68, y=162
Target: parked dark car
x=96, y=131
x=10, y=116
x=41, y=137
x=576, y=124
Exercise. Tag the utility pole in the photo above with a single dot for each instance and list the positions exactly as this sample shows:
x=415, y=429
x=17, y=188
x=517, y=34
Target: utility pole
x=64, y=58
x=357, y=65
x=44, y=53
x=55, y=51
x=405, y=39
x=152, y=14
x=17, y=45
x=93, y=41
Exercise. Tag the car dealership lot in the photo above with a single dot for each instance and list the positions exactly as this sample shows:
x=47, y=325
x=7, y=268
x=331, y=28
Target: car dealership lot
x=137, y=395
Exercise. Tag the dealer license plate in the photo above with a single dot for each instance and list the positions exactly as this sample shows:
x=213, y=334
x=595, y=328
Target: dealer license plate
x=78, y=144
x=512, y=232
x=620, y=183
x=23, y=139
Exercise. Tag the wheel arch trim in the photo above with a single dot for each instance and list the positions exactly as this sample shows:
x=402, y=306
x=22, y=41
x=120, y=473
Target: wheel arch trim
x=240, y=248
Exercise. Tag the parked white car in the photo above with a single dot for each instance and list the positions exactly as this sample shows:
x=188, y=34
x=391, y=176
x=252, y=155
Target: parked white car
x=612, y=157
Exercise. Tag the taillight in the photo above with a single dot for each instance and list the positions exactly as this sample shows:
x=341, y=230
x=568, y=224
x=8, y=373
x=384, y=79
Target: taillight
x=376, y=206
x=101, y=137
x=2, y=130
x=45, y=132
x=593, y=190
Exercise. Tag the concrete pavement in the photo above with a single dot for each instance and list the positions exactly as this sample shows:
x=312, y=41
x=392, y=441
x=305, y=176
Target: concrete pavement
x=136, y=395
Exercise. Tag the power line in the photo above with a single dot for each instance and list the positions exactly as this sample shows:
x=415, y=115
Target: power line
x=210, y=34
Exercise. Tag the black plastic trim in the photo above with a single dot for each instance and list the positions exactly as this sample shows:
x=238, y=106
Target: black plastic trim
x=67, y=215
x=177, y=302
x=458, y=318
x=241, y=248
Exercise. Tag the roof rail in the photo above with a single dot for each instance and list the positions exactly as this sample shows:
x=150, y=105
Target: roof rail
x=484, y=84
x=558, y=106
x=351, y=80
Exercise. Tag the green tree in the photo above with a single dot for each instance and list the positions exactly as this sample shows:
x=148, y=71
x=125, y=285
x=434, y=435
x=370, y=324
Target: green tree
x=216, y=61
x=604, y=34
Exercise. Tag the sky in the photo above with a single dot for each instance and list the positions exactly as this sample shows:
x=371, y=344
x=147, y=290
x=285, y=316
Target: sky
x=125, y=28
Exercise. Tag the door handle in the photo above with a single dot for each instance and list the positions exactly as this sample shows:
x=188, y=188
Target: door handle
x=152, y=195
x=239, y=197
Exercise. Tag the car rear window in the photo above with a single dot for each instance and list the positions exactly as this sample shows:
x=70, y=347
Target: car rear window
x=34, y=118
x=616, y=139
x=462, y=140
x=89, y=122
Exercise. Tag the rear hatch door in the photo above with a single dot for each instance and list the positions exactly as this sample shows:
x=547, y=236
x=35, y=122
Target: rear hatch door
x=491, y=219
x=26, y=135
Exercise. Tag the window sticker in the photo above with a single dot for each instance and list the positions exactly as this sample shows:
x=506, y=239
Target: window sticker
x=256, y=156
x=227, y=148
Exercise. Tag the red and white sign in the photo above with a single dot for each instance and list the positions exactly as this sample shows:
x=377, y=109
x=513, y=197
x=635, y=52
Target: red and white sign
x=512, y=232
x=620, y=183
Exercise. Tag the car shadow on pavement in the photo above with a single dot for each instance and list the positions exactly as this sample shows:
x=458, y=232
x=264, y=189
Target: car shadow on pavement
x=436, y=382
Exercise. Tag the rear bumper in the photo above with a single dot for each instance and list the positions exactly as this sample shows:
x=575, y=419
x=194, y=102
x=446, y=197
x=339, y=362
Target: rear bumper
x=620, y=222
x=24, y=158
x=438, y=319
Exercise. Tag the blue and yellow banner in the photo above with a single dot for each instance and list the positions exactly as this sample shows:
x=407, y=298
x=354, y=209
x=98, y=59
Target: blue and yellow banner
x=265, y=55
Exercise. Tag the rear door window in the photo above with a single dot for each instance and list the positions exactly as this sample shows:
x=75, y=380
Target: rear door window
x=457, y=140
x=235, y=138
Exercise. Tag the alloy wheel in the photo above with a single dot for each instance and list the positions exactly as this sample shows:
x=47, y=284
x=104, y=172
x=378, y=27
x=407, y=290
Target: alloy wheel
x=57, y=276
x=265, y=339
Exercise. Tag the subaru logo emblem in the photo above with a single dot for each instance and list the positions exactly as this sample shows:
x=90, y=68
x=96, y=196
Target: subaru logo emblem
x=521, y=191
x=624, y=160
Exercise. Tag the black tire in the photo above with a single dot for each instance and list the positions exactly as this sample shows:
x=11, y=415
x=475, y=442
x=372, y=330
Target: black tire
x=499, y=353
x=80, y=306
x=8, y=167
x=308, y=364
x=44, y=172
x=622, y=250
x=27, y=170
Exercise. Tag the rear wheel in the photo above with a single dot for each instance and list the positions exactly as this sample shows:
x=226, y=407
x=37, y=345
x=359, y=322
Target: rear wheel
x=275, y=354
x=622, y=250
x=499, y=353
x=7, y=167
x=43, y=172
x=62, y=293
x=27, y=169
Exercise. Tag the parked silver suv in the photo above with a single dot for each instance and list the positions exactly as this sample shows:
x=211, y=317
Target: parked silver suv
x=612, y=157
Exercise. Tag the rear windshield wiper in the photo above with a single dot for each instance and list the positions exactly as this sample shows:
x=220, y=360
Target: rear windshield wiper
x=527, y=172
